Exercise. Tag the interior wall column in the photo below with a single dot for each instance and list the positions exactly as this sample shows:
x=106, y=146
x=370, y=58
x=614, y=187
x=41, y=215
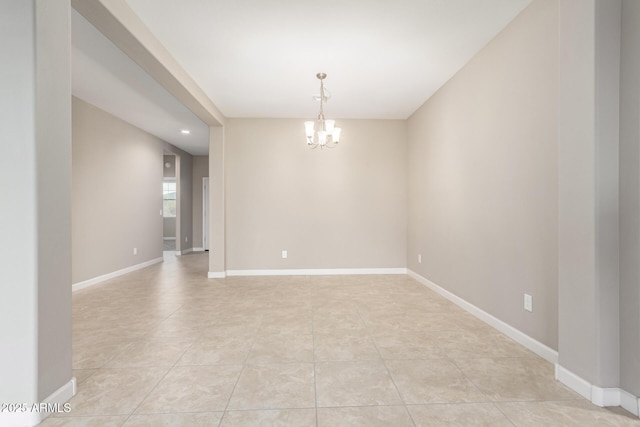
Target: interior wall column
x=217, y=208
x=588, y=143
x=630, y=199
x=35, y=168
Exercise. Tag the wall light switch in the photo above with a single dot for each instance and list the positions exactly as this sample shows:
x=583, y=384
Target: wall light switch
x=419, y=258
x=186, y=239
x=528, y=302
x=284, y=254
x=135, y=251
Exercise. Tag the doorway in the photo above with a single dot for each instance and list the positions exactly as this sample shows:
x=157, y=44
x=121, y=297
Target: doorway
x=169, y=206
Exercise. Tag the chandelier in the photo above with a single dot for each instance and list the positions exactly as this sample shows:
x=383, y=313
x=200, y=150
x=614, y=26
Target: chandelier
x=322, y=133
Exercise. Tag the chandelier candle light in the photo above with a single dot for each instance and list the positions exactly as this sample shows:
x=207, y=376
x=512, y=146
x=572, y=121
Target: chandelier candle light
x=322, y=133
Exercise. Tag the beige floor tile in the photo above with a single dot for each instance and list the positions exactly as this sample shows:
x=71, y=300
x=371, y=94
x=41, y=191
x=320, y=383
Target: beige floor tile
x=329, y=320
x=93, y=355
x=466, y=344
x=360, y=383
x=572, y=413
x=274, y=386
x=385, y=322
x=199, y=419
x=217, y=351
x=281, y=348
x=81, y=375
x=432, y=381
x=364, y=416
x=402, y=320
x=114, y=391
x=244, y=326
x=101, y=421
x=373, y=340
x=458, y=414
x=172, y=328
x=192, y=389
x=408, y=345
x=294, y=322
x=344, y=345
x=270, y=418
x=511, y=379
x=150, y=353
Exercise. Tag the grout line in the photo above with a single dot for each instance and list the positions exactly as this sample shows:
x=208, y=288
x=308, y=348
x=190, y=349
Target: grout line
x=244, y=364
x=375, y=344
x=313, y=341
x=495, y=405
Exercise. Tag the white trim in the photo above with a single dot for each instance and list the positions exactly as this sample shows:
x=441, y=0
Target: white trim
x=104, y=277
x=186, y=251
x=630, y=402
x=205, y=212
x=573, y=381
x=597, y=395
x=532, y=344
x=169, y=238
x=216, y=275
x=198, y=249
x=605, y=396
x=317, y=272
x=61, y=395
x=28, y=418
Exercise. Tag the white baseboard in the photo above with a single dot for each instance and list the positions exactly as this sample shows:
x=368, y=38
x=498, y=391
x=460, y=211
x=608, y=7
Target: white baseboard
x=573, y=381
x=186, y=251
x=104, y=277
x=317, y=272
x=216, y=275
x=597, y=395
x=630, y=402
x=198, y=249
x=532, y=344
x=36, y=412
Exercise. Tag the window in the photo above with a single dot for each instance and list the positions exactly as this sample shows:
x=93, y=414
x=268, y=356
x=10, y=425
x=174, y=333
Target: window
x=169, y=199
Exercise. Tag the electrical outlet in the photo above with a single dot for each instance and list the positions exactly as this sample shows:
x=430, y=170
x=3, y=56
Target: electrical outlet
x=135, y=251
x=528, y=302
x=419, y=258
x=284, y=254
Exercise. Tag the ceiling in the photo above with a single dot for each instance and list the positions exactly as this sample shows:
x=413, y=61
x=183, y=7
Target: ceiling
x=107, y=78
x=259, y=58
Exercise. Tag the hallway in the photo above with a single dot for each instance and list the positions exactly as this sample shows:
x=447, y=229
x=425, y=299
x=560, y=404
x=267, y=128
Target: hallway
x=164, y=346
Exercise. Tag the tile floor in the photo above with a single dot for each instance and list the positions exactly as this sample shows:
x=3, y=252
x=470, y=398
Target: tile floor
x=165, y=346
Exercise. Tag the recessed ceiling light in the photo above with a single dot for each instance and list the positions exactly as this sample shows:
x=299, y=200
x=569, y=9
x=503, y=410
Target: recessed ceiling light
x=185, y=131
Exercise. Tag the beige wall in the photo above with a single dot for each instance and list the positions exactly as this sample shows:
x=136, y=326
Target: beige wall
x=117, y=197
x=483, y=178
x=630, y=199
x=169, y=227
x=200, y=170
x=169, y=172
x=340, y=208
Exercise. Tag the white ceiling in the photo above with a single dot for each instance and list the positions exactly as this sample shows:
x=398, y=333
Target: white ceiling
x=107, y=78
x=259, y=58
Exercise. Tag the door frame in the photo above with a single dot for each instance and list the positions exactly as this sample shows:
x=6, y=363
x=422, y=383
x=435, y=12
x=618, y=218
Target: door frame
x=205, y=213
